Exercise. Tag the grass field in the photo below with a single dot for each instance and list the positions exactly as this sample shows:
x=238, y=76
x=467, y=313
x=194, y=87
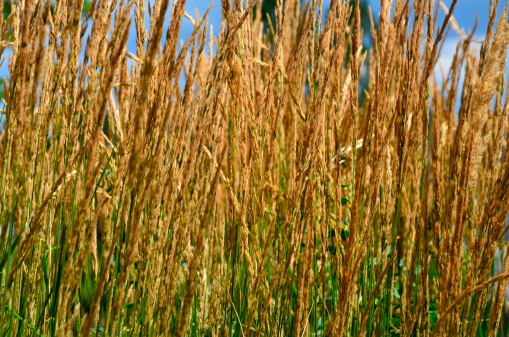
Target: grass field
x=248, y=184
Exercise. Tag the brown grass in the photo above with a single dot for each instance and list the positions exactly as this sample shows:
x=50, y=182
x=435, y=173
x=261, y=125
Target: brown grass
x=259, y=196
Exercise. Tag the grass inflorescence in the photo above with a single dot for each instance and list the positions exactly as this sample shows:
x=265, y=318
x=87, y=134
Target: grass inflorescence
x=245, y=182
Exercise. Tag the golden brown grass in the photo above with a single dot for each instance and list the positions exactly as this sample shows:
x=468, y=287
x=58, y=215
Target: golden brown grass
x=257, y=197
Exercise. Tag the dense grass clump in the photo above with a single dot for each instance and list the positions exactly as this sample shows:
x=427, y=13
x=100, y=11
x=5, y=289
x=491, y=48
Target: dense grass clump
x=238, y=185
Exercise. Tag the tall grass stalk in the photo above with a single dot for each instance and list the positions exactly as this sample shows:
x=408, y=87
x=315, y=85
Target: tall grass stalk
x=236, y=184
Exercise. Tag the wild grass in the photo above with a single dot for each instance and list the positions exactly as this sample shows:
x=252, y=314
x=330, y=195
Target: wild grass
x=238, y=185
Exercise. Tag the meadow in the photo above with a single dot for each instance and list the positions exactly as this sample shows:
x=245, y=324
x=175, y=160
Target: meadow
x=269, y=177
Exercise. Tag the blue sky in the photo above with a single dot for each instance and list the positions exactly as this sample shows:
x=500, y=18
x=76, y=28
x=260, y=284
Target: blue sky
x=465, y=14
